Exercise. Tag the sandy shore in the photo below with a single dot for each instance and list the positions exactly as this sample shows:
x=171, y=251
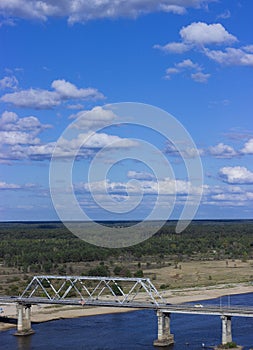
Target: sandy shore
x=45, y=313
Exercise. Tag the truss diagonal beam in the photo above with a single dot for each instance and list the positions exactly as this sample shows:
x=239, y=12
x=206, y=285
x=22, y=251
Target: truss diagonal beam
x=120, y=289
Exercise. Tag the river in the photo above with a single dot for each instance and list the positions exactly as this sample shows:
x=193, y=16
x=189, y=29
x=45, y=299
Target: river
x=133, y=331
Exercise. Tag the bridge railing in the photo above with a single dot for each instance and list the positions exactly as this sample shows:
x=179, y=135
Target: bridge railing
x=89, y=288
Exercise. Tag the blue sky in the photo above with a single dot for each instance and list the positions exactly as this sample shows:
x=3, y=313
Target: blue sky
x=62, y=59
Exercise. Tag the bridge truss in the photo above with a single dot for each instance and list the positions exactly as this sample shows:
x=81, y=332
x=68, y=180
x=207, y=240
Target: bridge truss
x=93, y=289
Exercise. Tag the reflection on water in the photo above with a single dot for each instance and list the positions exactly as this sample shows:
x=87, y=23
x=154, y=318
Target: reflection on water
x=24, y=343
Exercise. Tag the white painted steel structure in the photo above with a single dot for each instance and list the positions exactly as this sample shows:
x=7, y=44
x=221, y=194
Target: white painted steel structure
x=88, y=288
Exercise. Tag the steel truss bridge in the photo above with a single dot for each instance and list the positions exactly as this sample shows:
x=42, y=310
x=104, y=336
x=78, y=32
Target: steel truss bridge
x=115, y=292
x=118, y=290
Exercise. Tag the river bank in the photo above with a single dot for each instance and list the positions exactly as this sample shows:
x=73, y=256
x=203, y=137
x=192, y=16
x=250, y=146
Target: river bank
x=44, y=313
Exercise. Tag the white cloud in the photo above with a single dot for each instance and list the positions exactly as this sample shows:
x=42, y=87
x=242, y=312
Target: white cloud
x=67, y=90
x=173, y=47
x=8, y=186
x=75, y=106
x=200, y=33
x=200, y=77
x=33, y=98
x=19, y=135
x=248, y=48
x=236, y=198
x=222, y=151
x=14, y=138
x=170, y=71
x=187, y=64
x=9, y=83
x=179, y=10
x=15, y=130
x=230, y=56
x=34, y=152
x=10, y=121
x=97, y=117
x=44, y=99
x=236, y=175
x=165, y=186
x=83, y=10
x=225, y=15
x=227, y=196
x=140, y=175
x=248, y=147
x=8, y=118
x=97, y=140
x=24, y=146
x=186, y=151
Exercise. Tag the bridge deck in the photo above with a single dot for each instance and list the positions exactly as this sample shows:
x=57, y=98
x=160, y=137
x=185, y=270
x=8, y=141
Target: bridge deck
x=241, y=311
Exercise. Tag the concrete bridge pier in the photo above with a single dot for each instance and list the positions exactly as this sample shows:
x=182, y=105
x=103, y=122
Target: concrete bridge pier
x=24, y=320
x=165, y=338
x=226, y=329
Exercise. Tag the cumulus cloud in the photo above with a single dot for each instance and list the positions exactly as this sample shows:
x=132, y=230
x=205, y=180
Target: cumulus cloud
x=38, y=152
x=229, y=195
x=85, y=145
x=230, y=56
x=75, y=106
x=96, y=140
x=186, y=151
x=32, y=98
x=18, y=135
x=83, y=10
x=15, y=130
x=225, y=15
x=14, y=138
x=179, y=10
x=97, y=117
x=9, y=82
x=67, y=90
x=46, y=99
x=248, y=147
x=236, y=175
x=235, y=199
x=140, y=175
x=165, y=186
x=248, y=48
x=10, y=121
x=200, y=33
x=200, y=77
x=171, y=71
x=222, y=151
x=173, y=47
x=10, y=186
x=187, y=64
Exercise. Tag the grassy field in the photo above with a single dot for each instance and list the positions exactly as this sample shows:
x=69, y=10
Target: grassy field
x=180, y=275
x=201, y=273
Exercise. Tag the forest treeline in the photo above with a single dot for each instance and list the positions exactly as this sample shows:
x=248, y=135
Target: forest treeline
x=48, y=245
